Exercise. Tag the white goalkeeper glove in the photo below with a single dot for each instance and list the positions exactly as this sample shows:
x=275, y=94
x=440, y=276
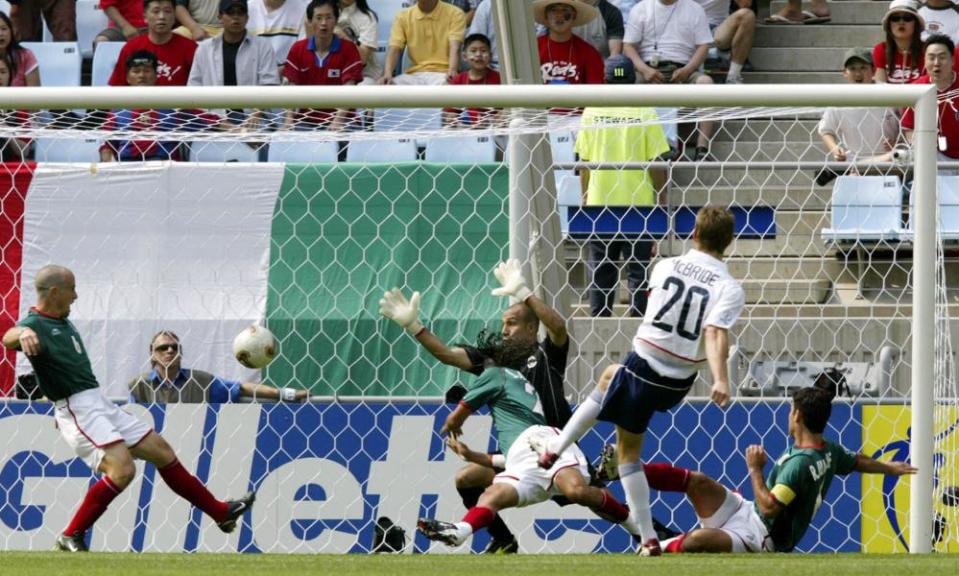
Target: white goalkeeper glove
x=394, y=306
x=510, y=275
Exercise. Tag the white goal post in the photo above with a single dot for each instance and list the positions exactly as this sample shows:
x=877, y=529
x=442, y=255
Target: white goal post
x=517, y=98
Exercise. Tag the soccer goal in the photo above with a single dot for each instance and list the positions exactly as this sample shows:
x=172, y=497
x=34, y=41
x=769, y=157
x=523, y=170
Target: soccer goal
x=230, y=207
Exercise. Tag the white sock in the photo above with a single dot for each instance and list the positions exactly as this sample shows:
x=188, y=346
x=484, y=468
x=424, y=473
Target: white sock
x=735, y=70
x=579, y=423
x=633, y=479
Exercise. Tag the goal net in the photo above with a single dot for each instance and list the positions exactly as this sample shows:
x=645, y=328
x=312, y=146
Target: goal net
x=202, y=217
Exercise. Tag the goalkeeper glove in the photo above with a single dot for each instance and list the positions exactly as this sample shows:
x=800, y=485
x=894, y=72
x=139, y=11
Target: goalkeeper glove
x=510, y=275
x=394, y=306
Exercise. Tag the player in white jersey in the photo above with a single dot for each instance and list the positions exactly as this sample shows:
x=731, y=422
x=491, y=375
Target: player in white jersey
x=693, y=302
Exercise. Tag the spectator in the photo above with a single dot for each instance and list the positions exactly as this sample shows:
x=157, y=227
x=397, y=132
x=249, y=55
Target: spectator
x=898, y=60
x=793, y=13
x=476, y=52
x=733, y=32
x=127, y=20
x=357, y=24
x=605, y=33
x=483, y=24
x=60, y=16
x=12, y=149
x=564, y=57
x=431, y=32
x=668, y=41
x=620, y=135
x=199, y=19
x=940, y=70
x=857, y=134
x=322, y=59
x=235, y=58
x=21, y=62
x=174, y=53
x=141, y=70
x=941, y=17
x=168, y=381
x=279, y=21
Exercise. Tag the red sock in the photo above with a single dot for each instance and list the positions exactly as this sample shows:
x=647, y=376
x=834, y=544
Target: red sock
x=190, y=488
x=676, y=545
x=93, y=506
x=478, y=517
x=613, y=508
x=666, y=477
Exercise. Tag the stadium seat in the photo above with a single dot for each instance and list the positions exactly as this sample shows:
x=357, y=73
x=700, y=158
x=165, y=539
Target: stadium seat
x=90, y=21
x=461, y=148
x=568, y=193
x=223, y=152
x=60, y=62
x=949, y=207
x=104, y=61
x=67, y=150
x=408, y=120
x=563, y=145
x=866, y=209
x=308, y=152
x=382, y=150
x=386, y=11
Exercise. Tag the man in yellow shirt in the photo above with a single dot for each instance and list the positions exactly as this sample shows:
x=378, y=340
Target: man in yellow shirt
x=620, y=135
x=431, y=32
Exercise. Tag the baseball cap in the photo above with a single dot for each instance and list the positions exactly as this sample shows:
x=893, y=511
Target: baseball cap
x=857, y=53
x=225, y=5
x=619, y=70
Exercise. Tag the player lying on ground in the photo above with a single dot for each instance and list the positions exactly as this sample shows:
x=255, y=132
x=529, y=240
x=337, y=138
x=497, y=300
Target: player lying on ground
x=693, y=302
x=517, y=416
x=106, y=437
x=785, y=502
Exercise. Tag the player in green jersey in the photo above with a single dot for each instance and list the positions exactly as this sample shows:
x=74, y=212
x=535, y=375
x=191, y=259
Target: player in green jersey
x=106, y=437
x=518, y=418
x=785, y=502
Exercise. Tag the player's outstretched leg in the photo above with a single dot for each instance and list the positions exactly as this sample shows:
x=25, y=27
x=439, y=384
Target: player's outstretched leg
x=636, y=487
x=578, y=491
x=471, y=481
x=495, y=498
x=155, y=449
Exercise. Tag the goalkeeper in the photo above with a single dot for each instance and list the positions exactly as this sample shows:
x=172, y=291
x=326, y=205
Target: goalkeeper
x=544, y=368
x=517, y=416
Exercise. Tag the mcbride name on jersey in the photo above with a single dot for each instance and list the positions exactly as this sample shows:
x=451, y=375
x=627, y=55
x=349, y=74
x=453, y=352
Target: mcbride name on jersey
x=687, y=293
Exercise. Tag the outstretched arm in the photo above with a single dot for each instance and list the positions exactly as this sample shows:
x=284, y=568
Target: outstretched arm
x=868, y=465
x=717, y=353
x=22, y=338
x=765, y=501
x=494, y=461
x=262, y=391
x=397, y=308
x=454, y=422
x=510, y=276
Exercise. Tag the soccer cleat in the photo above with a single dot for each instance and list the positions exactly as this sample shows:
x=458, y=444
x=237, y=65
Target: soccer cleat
x=546, y=459
x=236, y=509
x=650, y=548
x=502, y=547
x=71, y=543
x=445, y=532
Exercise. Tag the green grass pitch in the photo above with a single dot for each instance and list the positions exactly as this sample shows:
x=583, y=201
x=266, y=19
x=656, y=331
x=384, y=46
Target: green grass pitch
x=103, y=564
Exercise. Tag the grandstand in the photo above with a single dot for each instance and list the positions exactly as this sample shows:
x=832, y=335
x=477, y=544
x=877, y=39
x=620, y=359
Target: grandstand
x=401, y=200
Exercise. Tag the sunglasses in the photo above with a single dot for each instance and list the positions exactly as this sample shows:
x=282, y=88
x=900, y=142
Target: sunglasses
x=165, y=347
x=902, y=18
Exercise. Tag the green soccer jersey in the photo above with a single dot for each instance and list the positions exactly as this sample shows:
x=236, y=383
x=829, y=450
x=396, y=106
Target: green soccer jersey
x=513, y=403
x=62, y=366
x=799, y=481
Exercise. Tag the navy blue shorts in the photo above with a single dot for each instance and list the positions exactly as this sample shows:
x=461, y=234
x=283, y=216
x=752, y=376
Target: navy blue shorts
x=637, y=392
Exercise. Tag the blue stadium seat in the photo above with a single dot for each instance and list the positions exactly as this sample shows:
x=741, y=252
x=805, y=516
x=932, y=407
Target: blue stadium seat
x=656, y=222
x=67, y=150
x=866, y=209
x=461, y=148
x=90, y=21
x=104, y=61
x=60, y=62
x=381, y=150
x=222, y=152
x=309, y=152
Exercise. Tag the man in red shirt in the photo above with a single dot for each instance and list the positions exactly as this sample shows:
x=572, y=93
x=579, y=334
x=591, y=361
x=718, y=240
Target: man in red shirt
x=566, y=58
x=322, y=59
x=477, y=53
x=126, y=20
x=939, y=56
x=174, y=52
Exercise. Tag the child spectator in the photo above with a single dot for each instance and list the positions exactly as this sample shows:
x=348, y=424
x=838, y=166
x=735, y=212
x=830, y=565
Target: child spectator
x=21, y=62
x=12, y=149
x=477, y=53
x=357, y=23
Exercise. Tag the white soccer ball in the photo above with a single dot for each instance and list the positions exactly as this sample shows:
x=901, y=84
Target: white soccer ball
x=255, y=347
